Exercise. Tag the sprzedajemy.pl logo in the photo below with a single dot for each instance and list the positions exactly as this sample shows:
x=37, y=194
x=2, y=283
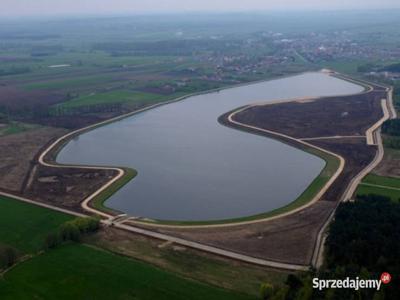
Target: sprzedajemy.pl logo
x=351, y=283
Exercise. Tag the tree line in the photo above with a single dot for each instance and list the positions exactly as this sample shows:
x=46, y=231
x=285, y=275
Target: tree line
x=71, y=231
x=364, y=242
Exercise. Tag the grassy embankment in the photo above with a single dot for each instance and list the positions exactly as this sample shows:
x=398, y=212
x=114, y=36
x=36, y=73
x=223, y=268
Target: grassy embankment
x=99, y=201
x=79, y=271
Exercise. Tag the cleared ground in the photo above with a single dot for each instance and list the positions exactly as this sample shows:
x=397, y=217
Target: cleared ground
x=330, y=116
x=289, y=239
x=17, y=151
x=66, y=187
x=357, y=155
x=390, y=165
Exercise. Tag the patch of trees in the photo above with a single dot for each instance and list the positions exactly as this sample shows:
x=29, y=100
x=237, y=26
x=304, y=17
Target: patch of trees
x=8, y=256
x=14, y=71
x=72, y=231
x=392, y=68
x=86, y=109
x=391, y=127
x=366, y=68
x=396, y=95
x=168, y=47
x=392, y=142
x=364, y=242
x=46, y=50
x=25, y=36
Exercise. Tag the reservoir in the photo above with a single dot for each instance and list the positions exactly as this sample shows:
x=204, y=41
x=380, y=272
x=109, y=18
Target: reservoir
x=190, y=167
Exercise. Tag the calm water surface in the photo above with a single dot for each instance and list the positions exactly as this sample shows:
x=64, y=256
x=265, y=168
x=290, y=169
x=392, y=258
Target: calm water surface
x=192, y=168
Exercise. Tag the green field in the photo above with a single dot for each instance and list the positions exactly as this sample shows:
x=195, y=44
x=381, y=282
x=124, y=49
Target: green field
x=381, y=180
x=68, y=83
x=16, y=127
x=77, y=271
x=120, y=96
x=380, y=185
x=189, y=263
x=24, y=226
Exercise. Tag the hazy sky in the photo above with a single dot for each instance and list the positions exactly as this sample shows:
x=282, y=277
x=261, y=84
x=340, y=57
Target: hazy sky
x=68, y=7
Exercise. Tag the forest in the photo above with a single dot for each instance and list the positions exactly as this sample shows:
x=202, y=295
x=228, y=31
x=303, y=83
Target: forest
x=363, y=242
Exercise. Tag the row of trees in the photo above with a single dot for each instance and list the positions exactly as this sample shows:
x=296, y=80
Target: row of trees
x=14, y=71
x=364, y=242
x=391, y=127
x=69, y=231
x=85, y=109
x=8, y=256
x=72, y=231
x=392, y=142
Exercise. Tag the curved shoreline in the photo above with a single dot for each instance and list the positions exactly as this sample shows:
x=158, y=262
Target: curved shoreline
x=317, y=253
x=109, y=213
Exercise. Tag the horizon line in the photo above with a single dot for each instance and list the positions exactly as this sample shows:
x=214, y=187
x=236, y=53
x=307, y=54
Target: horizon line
x=193, y=12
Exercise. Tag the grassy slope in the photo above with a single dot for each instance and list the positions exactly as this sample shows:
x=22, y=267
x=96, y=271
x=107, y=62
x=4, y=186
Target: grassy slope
x=25, y=226
x=80, y=272
x=99, y=201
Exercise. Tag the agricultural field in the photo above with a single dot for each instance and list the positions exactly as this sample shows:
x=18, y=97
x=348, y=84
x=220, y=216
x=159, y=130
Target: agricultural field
x=379, y=185
x=77, y=270
x=120, y=96
x=24, y=226
x=189, y=263
x=15, y=127
x=81, y=272
x=61, y=75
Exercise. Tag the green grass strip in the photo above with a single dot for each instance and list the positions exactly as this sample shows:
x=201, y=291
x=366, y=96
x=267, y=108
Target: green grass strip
x=99, y=201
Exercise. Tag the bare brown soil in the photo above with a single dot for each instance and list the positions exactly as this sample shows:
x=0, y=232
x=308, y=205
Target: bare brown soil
x=65, y=187
x=390, y=165
x=17, y=151
x=289, y=239
x=17, y=99
x=348, y=115
x=357, y=155
x=21, y=174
